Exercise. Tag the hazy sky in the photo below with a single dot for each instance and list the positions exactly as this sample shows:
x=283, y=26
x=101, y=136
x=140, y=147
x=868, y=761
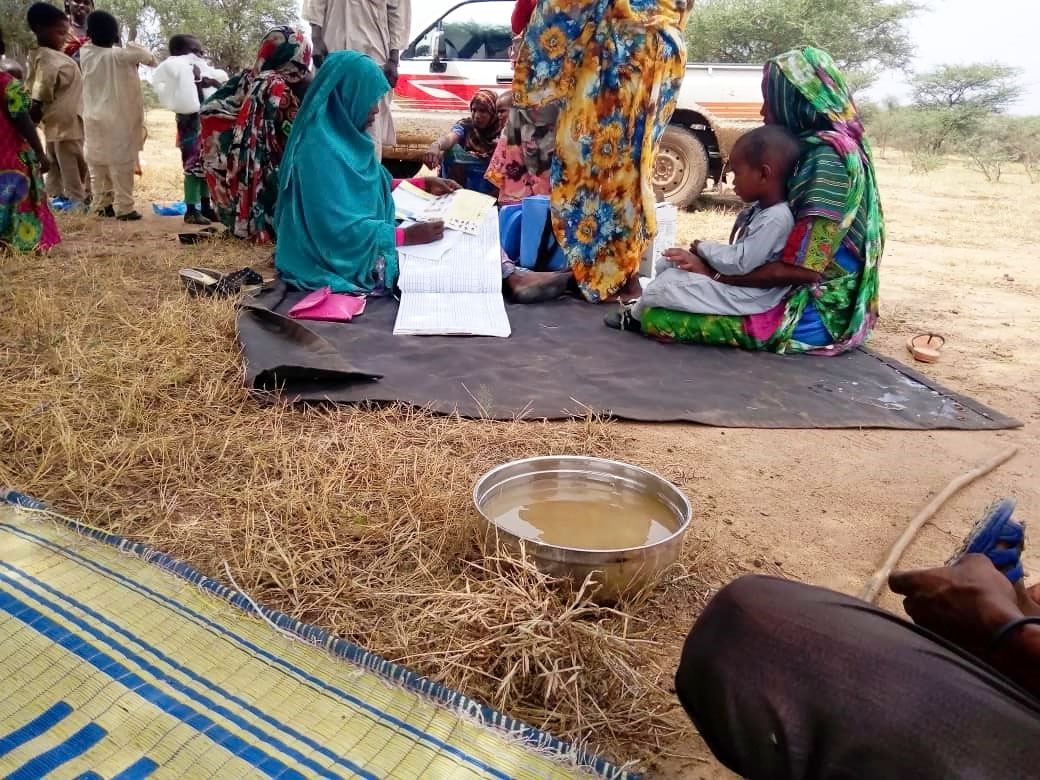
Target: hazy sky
x=948, y=31
x=963, y=31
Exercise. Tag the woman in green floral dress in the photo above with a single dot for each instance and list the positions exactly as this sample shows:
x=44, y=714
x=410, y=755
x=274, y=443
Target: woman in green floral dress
x=26, y=222
x=834, y=253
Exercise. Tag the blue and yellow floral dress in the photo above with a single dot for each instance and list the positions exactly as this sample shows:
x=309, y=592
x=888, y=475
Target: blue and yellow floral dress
x=614, y=67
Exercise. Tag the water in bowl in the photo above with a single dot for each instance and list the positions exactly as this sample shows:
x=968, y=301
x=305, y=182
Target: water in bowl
x=581, y=513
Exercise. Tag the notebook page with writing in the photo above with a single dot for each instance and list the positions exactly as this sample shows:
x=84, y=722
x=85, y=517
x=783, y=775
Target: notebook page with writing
x=457, y=293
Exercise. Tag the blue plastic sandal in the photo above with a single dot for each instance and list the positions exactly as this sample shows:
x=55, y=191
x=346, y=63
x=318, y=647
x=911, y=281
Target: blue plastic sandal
x=997, y=527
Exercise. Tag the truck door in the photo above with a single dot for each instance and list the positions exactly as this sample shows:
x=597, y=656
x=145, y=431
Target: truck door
x=465, y=50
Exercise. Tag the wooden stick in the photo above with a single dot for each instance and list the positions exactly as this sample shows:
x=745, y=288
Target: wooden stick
x=873, y=588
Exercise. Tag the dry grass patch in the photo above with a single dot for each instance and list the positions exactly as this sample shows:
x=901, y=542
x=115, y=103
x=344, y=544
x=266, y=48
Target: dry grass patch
x=124, y=406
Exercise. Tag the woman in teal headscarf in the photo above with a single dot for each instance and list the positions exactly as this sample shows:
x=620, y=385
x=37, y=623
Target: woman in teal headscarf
x=834, y=252
x=335, y=217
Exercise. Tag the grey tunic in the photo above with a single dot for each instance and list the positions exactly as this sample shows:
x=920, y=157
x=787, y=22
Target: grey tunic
x=372, y=27
x=759, y=238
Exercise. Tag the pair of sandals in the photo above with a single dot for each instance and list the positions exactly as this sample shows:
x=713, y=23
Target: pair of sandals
x=999, y=537
x=207, y=283
x=198, y=237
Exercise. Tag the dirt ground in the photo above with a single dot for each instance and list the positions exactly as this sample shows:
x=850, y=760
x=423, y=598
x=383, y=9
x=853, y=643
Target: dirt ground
x=819, y=506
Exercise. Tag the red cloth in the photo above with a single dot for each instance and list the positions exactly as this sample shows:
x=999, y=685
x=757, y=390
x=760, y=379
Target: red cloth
x=74, y=44
x=522, y=15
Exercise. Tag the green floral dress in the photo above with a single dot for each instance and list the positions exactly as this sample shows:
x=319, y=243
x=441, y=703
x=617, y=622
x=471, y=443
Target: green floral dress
x=26, y=222
x=839, y=230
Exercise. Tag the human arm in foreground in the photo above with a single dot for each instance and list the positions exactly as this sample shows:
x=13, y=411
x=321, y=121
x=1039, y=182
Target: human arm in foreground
x=968, y=604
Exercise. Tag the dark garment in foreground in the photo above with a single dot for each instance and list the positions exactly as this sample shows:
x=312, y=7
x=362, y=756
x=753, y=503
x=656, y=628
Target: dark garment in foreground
x=785, y=680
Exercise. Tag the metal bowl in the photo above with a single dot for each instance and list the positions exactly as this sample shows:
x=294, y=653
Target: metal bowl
x=616, y=571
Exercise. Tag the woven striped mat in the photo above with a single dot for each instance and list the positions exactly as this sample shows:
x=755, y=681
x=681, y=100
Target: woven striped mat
x=117, y=661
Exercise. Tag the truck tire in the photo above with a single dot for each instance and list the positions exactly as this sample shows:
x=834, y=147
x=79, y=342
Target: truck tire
x=403, y=169
x=681, y=168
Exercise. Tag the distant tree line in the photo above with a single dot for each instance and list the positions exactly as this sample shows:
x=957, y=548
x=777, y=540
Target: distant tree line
x=955, y=109
x=230, y=30
x=961, y=110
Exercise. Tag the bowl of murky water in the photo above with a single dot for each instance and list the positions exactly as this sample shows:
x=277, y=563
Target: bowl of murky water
x=576, y=516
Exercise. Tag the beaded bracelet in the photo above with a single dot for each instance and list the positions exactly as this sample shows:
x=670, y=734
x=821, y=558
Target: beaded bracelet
x=1003, y=632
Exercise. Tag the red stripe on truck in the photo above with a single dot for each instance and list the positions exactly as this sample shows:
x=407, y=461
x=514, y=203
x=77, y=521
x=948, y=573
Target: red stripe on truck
x=438, y=92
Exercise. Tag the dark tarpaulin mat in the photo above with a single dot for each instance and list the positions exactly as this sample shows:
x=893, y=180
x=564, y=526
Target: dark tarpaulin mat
x=561, y=361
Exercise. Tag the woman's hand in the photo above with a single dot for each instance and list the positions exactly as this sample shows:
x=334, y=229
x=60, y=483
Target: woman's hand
x=423, y=233
x=433, y=157
x=687, y=261
x=45, y=164
x=438, y=186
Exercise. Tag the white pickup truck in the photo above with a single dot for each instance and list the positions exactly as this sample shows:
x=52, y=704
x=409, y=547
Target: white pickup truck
x=466, y=48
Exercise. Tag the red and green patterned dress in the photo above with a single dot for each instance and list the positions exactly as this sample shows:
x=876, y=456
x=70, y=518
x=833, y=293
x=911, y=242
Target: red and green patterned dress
x=26, y=222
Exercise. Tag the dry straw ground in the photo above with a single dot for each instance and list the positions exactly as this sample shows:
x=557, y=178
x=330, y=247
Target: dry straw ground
x=123, y=404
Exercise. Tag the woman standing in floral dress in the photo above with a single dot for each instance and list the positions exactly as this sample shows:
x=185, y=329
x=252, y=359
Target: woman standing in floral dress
x=614, y=68
x=26, y=222
x=245, y=127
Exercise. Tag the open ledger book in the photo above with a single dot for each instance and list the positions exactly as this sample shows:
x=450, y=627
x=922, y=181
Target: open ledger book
x=453, y=287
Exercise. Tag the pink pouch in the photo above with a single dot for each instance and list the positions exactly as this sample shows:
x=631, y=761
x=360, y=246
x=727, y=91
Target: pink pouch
x=328, y=306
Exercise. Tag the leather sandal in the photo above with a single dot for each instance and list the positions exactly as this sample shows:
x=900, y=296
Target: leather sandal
x=926, y=347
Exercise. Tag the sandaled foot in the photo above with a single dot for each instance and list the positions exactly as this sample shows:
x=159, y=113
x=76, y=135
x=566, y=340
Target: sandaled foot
x=107, y=212
x=210, y=214
x=630, y=291
x=196, y=218
x=130, y=216
x=1000, y=538
x=622, y=319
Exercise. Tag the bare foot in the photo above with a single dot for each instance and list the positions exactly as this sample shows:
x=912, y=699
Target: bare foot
x=630, y=291
x=538, y=286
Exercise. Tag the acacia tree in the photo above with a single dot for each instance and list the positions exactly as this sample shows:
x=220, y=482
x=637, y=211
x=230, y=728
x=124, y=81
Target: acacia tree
x=864, y=37
x=960, y=98
x=230, y=30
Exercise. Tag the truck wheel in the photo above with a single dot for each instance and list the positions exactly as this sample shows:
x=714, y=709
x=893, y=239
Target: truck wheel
x=681, y=169
x=403, y=169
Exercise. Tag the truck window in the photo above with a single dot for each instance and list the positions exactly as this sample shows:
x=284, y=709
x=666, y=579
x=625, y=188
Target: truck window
x=474, y=31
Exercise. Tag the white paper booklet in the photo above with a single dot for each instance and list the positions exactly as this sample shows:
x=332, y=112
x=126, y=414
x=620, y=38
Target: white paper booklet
x=456, y=291
x=463, y=210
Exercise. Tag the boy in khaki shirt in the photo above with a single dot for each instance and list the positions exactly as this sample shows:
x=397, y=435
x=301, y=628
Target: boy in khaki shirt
x=113, y=114
x=56, y=88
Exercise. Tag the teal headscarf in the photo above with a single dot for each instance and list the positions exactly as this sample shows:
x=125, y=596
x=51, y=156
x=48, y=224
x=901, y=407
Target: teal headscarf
x=335, y=215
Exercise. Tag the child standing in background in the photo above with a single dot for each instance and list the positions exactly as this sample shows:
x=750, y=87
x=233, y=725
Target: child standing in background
x=56, y=89
x=179, y=82
x=113, y=114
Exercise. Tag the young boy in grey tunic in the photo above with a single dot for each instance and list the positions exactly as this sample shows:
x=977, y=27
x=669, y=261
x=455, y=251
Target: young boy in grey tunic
x=762, y=162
